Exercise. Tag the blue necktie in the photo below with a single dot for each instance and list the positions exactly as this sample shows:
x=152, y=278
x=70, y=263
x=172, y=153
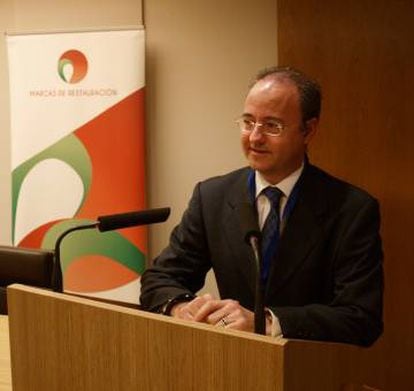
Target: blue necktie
x=270, y=231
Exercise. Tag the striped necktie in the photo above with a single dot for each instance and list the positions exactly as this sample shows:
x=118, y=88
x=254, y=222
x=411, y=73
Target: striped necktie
x=270, y=231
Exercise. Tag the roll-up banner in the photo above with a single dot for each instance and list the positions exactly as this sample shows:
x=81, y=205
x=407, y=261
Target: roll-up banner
x=77, y=131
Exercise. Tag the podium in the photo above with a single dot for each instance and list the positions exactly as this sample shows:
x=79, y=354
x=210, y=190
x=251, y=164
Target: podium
x=63, y=342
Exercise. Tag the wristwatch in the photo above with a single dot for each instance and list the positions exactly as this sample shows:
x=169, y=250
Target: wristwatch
x=166, y=308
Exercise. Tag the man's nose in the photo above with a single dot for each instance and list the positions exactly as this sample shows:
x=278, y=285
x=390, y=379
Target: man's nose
x=257, y=133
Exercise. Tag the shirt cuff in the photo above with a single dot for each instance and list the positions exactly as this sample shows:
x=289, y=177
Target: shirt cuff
x=275, y=330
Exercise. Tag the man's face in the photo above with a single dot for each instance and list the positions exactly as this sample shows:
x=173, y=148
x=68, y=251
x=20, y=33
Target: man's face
x=275, y=157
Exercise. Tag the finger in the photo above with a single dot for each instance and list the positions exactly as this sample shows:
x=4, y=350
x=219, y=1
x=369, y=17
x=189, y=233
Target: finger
x=214, y=310
x=182, y=311
x=188, y=309
x=198, y=302
x=207, y=309
x=241, y=320
x=203, y=299
x=222, y=316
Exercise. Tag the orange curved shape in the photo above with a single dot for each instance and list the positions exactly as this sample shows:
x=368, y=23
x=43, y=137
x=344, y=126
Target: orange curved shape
x=115, y=143
x=94, y=273
x=34, y=238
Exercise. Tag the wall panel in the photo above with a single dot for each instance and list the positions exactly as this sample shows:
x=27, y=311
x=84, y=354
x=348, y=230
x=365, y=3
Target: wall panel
x=363, y=54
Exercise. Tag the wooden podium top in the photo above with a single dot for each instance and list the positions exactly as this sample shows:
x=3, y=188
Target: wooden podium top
x=5, y=372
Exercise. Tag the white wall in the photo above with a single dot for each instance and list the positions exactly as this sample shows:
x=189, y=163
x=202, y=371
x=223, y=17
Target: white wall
x=200, y=56
x=5, y=188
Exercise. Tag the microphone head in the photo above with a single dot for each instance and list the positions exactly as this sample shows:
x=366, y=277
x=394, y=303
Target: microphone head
x=133, y=219
x=248, y=222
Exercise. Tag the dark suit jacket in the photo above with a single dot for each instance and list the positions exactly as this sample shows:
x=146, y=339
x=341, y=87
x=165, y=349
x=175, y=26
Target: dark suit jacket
x=327, y=280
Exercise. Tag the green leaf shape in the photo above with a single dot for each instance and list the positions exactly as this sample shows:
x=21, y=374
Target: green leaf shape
x=87, y=242
x=69, y=150
x=61, y=66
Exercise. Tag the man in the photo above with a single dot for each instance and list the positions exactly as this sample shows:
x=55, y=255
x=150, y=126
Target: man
x=322, y=256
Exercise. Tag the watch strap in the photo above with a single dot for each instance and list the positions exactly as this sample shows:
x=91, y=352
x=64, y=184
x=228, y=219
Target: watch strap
x=170, y=303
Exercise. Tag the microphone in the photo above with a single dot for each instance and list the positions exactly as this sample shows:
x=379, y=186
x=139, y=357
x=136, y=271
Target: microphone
x=253, y=236
x=132, y=219
x=107, y=223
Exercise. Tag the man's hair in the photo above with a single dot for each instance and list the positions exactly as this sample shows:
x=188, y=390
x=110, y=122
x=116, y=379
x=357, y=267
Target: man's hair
x=310, y=95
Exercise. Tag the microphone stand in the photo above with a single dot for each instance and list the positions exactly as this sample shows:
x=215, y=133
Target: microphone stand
x=107, y=223
x=57, y=282
x=259, y=311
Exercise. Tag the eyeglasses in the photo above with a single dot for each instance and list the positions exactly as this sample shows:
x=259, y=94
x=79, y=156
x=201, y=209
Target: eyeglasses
x=271, y=128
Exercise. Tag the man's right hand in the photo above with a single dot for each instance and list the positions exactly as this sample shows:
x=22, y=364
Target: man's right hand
x=187, y=310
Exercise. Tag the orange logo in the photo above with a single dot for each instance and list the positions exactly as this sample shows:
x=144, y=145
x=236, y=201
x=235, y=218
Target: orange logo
x=72, y=66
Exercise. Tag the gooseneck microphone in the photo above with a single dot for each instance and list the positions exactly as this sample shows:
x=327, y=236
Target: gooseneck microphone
x=131, y=219
x=253, y=236
x=107, y=223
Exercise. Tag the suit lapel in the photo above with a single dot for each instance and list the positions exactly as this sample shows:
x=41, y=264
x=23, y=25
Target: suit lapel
x=237, y=195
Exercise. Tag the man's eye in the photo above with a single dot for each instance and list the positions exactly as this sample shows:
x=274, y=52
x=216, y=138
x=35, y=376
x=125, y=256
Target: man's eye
x=248, y=124
x=273, y=126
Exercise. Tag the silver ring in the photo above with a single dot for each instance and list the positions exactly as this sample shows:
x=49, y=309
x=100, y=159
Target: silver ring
x=223, y=322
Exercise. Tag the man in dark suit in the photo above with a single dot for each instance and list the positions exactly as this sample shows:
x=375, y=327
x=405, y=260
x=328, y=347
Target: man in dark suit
x=322, y=256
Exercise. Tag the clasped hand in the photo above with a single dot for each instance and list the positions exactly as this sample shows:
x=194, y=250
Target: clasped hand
x=225, y=313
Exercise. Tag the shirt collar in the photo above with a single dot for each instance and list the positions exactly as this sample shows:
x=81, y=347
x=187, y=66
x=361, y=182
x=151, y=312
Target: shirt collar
x=286, y=185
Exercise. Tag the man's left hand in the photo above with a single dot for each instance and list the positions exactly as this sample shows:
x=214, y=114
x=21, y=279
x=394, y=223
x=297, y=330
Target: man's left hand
x=225, y=313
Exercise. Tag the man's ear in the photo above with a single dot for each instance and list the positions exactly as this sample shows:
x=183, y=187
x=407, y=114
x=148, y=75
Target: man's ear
x=311, y=128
